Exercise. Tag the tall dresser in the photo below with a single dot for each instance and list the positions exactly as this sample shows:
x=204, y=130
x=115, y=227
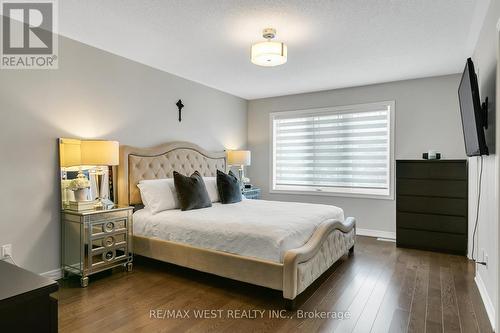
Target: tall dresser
x=431, y=205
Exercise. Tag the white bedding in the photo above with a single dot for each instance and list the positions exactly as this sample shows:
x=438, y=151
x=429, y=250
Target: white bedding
x=252, y=228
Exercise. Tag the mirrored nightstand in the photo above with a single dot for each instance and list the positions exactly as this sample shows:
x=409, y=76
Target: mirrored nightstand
x=96, y=240
x=251, y=193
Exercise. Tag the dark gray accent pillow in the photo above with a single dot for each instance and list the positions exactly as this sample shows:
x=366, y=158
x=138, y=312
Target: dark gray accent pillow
x=191, y=191
x=228, y=187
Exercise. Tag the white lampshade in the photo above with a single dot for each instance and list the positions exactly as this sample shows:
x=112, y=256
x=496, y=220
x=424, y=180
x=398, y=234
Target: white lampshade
x=69, y=152
x=269, y=53
x=96, y=152
x=239, y=157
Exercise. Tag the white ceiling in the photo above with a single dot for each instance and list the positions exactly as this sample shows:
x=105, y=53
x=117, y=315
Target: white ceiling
x=331, y=43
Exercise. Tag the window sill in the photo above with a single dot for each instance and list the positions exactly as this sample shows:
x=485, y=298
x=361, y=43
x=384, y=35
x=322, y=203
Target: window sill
x=333, y=194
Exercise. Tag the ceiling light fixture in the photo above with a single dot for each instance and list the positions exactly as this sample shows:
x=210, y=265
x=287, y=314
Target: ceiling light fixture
x=269, y=53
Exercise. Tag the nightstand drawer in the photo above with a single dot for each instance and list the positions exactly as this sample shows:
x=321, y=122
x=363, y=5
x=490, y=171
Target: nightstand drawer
x=106, y=216
x=100, y=244
x=109, y=256
x=100, y=229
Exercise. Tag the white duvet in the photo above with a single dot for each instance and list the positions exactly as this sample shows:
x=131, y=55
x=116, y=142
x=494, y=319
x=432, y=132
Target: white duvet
x=253, y=228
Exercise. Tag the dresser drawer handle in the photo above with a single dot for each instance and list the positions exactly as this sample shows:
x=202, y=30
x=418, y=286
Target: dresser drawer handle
x=109, y=227
x=109, y=241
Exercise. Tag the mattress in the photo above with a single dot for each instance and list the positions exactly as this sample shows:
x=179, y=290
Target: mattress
x=253, y=228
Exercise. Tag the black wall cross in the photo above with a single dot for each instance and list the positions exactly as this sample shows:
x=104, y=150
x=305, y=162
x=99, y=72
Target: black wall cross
x=180, y=106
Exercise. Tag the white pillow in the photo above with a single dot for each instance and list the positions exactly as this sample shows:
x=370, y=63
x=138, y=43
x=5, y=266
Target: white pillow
x=211, y=185
x=159, y=194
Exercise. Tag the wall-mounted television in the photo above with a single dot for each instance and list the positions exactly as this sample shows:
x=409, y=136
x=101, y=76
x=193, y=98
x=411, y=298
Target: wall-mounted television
x=474, y=115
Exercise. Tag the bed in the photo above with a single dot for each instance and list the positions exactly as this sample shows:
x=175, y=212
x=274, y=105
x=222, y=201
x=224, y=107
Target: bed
x=279, y=245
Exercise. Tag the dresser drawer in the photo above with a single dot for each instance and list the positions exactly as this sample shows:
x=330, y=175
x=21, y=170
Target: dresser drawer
x=432, y=170
x=442, y=223
x=433, y=241
x=445, y=206
x=433, y=188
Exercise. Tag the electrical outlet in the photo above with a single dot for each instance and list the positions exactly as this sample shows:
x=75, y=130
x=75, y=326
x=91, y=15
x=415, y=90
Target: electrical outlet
x=6, y=251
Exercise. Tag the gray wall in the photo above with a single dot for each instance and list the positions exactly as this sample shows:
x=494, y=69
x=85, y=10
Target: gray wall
x=485, y=61
x=93, y=94
x=427, y=117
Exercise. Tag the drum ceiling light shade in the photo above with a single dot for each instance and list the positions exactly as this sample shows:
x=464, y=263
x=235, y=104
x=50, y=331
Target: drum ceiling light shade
x=269, y=53
x=100, y=153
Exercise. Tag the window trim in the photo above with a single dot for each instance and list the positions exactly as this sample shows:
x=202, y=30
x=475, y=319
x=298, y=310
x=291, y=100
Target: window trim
x=338, y=192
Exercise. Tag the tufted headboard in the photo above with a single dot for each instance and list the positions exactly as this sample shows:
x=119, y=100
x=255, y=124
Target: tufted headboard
x=161, y=161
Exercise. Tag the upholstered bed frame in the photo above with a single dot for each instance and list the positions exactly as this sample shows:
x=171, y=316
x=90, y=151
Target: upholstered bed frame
x=300, y=267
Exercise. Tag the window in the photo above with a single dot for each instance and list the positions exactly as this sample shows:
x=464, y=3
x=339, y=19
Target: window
x=340, y=150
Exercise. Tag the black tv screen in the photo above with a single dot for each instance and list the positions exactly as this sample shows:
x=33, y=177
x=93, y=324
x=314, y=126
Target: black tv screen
x=472, y=115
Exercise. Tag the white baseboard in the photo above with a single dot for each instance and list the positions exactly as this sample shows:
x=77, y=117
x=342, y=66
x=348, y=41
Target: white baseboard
x=55, y=274
x=376, y=233
x=488, y=304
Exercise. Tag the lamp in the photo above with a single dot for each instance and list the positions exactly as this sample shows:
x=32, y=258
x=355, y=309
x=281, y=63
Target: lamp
x=240, y=158
x=269, y=53
x=100, y=154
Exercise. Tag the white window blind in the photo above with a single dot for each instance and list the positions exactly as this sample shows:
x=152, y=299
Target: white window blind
x=337, y=150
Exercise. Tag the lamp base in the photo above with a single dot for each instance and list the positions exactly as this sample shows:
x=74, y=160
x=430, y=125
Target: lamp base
x=241, y=172
x=243, y=180
x=102, y=203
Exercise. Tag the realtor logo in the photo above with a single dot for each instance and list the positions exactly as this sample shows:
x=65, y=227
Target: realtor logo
x=29, y=37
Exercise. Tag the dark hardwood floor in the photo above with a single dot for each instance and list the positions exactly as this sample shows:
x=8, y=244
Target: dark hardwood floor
x=380, y=288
